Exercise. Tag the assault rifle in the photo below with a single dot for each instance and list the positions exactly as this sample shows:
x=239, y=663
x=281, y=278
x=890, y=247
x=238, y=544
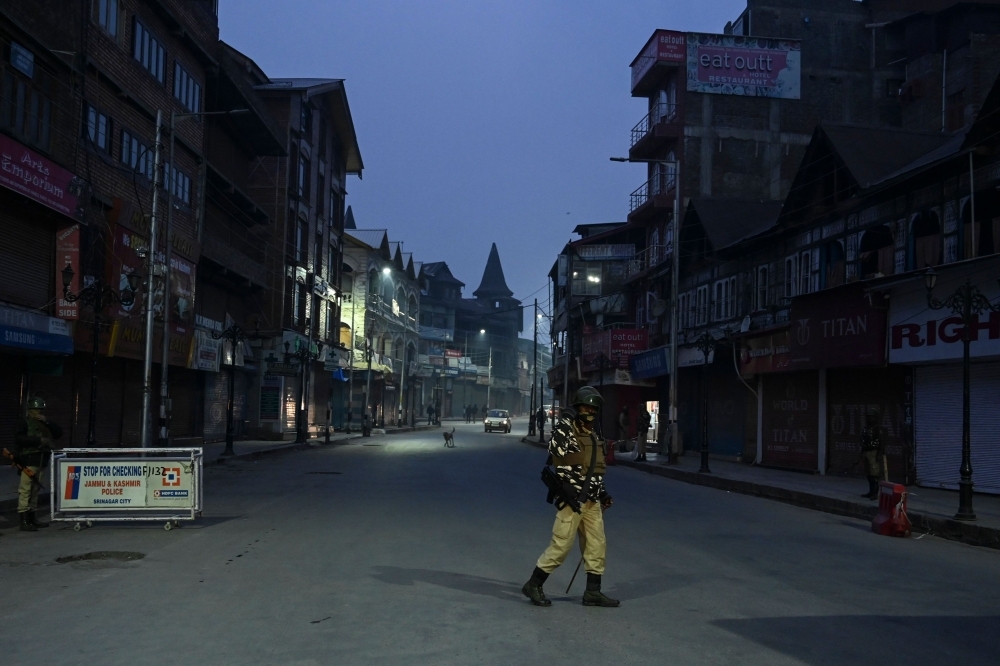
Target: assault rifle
x=22, y=469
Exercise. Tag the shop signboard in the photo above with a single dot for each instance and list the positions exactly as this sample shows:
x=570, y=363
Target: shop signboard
x=33, y=331
x=663, y=46
x=270, y=398
x=691, y=356
x=40, y=179
x=790, y=420
x=617, y=346
x=744, y=65
x=919, y=334
x=68, y=254
x=766, y=352
x=837, y=328
x=453, y=353
x=653, y=363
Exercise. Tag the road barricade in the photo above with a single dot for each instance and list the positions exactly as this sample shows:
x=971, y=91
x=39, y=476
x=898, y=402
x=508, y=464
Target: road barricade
x=91, y=485
x=891, y=519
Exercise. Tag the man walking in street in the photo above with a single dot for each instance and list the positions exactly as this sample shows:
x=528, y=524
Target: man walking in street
x=578, y=457
x=873, y=454
x=642, y=423
x=540, y=419
x=430, y=414
x=622, y=428
x=33, y=442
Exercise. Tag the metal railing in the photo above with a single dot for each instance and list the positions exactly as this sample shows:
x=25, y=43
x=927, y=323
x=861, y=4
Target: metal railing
x=659, y=113
x=660, y=183
x=650, y=257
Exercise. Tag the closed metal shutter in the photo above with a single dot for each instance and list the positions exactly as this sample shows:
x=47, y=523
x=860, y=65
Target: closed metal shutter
x=27, y=255
x=10, y=399
x=185, y=401
x=938, y=425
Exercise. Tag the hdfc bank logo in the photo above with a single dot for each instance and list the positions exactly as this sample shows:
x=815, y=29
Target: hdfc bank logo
x=172, y=476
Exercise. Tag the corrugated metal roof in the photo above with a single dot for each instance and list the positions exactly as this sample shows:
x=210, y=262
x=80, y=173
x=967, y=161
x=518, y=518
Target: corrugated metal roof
x=296, y=84
x=370, y=237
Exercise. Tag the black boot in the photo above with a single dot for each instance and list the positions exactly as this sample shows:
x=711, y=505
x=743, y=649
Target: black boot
x=26, y=524
x=873, y=486
x=594, y=597
x=533, y=588
x=34, y=520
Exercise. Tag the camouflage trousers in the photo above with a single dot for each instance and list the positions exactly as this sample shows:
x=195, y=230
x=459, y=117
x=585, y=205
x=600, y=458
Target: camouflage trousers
x=27, y=491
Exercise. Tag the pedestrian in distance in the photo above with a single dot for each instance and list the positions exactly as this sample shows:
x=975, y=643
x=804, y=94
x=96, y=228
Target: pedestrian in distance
x=475, y=412
x=577, y=490
x=873, y=454
x=622, y=428
x=33, y=444
x=540, y=418
x=430, y=414
x=642, y=424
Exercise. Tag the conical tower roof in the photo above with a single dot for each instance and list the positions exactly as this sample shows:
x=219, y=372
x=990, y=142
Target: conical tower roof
x=493, y=283
x=349, y=222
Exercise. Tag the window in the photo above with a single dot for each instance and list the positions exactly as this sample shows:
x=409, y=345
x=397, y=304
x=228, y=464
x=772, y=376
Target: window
x=587, y=281
x=136, y=155
x=760, y=288
x=702, y=314
x=336, y=220
x=640, y=310
x=25, y=110
x=298, y=303
x=791, y=275
x=330, y=276
x=180, y=181
x=105, y=14
x=187, y=91
x=318, y=257
x=731, y=299
x=98, y=128
x=148, y=52
x=321, y=190
x=301, y=249
x=809, y=271
x=305, y=121
x=724, y=302
x=303, y=184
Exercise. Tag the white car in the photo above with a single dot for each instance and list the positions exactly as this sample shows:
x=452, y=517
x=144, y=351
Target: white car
x=497, y=419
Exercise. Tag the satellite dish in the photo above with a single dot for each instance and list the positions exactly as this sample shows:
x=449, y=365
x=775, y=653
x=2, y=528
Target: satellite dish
x=659, y=307
x=745, y=324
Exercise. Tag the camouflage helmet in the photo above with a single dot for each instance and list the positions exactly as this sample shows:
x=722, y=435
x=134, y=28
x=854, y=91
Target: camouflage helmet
x=588, y=395
x=36, y=403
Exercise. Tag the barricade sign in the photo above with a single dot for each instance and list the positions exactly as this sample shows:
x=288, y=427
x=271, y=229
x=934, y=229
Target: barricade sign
x=126, y=484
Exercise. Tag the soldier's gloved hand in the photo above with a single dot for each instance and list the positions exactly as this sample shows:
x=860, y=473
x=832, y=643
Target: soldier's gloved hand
x=606, y=502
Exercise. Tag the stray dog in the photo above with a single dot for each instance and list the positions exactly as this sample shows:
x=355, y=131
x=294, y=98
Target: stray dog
x=449, y=439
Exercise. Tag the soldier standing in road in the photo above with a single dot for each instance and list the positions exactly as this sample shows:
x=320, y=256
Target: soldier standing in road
x=578, y=457
x=33, y=442
x=622, y=428
x=873, y=454
x=642, y=423
x=540, y=419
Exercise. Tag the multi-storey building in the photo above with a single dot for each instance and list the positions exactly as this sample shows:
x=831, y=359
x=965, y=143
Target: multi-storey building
x=82, y=89
x=380, y=321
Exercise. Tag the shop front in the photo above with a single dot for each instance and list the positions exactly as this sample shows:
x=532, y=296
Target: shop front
x=929, y=341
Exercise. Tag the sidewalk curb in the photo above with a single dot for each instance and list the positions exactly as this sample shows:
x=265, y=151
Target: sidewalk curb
x=969, y=533
x=954, y=530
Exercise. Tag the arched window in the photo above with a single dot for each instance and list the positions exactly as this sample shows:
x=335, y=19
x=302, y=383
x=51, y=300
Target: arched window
x=925, y=230
x=834, y=258
x=876, y=252
x=654, y=247
x=345, y=335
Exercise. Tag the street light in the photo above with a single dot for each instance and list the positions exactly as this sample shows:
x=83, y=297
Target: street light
x=706, y=344
x=675, y=272
x=98, y=295
x=235, y=336
x=968, y=303
x=304, y=355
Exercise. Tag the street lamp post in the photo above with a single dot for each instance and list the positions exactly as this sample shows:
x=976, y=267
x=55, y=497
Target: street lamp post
x=366, y=429
x=968, y=302
x=170, y=185
x=235, y=336
x=98, y=295
x=706, y=344
x=304, y=355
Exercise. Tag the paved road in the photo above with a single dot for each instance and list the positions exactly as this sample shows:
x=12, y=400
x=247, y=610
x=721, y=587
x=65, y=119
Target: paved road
x=402, y=552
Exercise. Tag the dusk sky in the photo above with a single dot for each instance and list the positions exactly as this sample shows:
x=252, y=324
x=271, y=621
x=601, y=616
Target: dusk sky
x=478, y=121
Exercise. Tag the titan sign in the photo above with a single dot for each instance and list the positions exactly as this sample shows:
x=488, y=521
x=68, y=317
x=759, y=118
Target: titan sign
x=748, y=66
x=918, y=334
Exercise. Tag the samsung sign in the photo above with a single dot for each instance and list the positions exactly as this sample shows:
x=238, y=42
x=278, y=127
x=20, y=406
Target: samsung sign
x=654, y=363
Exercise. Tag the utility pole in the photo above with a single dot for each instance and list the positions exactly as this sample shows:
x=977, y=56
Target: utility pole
x=165, y=342
x=673, y=452
x=567, y=340
x=489, y=379
x=147, y=376
x=534, y=378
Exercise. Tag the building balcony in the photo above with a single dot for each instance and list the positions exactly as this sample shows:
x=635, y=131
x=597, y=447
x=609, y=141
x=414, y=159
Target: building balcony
x=658, y=128
x=654, y=196
x=650, y=258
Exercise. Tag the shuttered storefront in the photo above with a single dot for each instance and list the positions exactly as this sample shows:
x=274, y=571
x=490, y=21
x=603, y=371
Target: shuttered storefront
x=10, y=398
x=852, y=393
x=938, y=425
x=791, y=420
x=27, y=254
